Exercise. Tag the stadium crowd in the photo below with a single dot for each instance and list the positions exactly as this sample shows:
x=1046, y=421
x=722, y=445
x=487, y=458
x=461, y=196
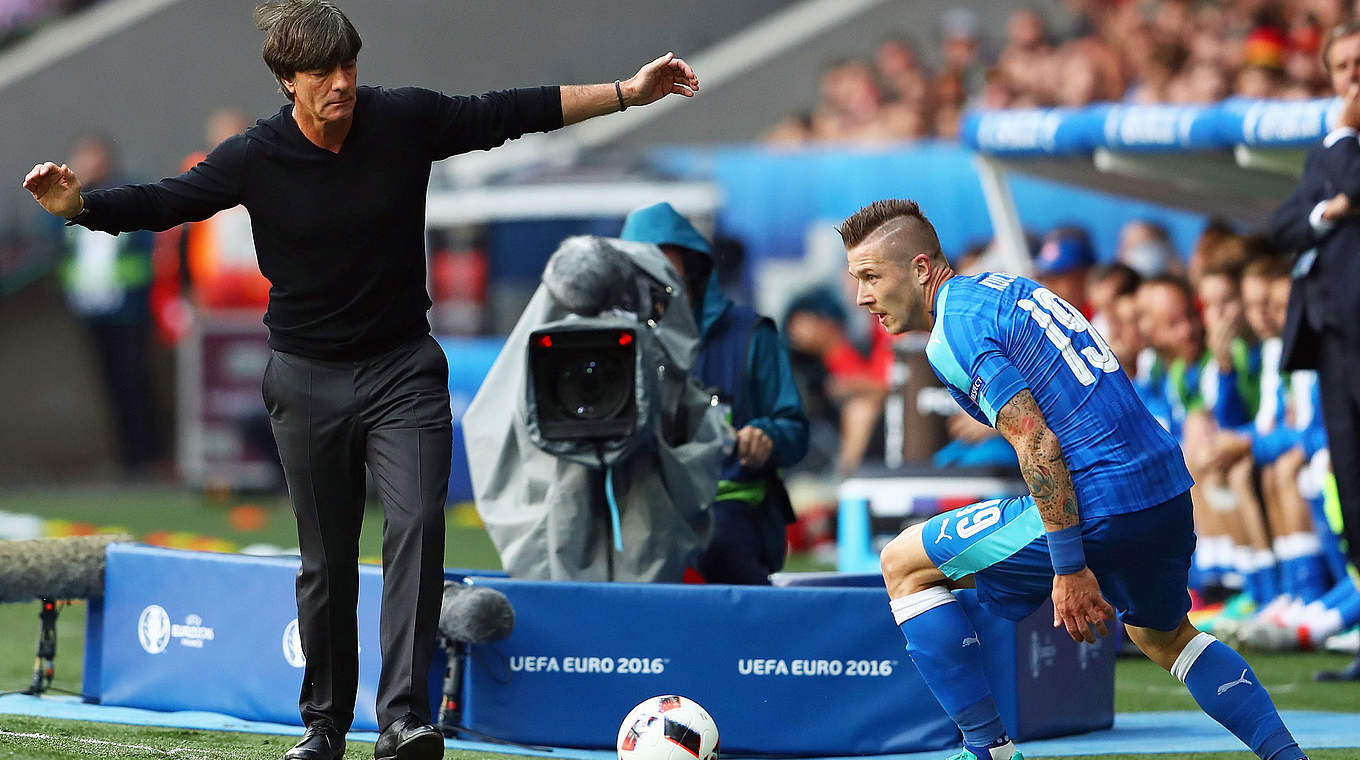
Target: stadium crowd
x=1168, y=51
x=19, y=18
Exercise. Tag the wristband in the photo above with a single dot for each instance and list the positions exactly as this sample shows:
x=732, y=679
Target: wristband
x=1065, y=549
x=79, y=217
x=618, y=90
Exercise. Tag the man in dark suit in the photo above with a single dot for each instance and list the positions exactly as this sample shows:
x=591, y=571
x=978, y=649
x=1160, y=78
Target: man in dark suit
x=1321, y=221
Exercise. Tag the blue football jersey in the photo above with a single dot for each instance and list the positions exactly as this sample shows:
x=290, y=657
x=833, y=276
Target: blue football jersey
x=996, y=334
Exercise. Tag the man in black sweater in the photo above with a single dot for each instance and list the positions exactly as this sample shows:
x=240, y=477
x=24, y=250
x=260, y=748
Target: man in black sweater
x=335, y=184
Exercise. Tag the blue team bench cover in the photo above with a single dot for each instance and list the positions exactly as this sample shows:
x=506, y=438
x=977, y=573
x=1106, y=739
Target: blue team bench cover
x=796, y=670
x=803, y=669
x=183, y=630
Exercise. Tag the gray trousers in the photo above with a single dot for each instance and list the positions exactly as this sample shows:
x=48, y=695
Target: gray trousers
x=329, y=419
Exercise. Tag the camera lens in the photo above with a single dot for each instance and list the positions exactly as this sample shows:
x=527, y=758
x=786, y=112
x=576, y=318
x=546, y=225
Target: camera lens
x=594, y=388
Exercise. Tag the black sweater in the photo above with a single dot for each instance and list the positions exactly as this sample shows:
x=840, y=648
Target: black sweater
x=340, y=236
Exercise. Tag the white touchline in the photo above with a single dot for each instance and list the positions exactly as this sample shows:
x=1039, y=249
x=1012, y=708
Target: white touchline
x=103, y=742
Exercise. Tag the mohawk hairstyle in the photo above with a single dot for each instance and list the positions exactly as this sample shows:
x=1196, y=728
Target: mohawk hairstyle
x=862, y=223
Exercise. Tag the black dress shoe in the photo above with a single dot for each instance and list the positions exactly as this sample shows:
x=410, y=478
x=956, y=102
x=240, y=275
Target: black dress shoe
x=320, y=742
x=409, y=738
x=1349, y=673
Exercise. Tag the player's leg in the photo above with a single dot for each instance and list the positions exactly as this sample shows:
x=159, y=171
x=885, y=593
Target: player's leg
x=1223, y=685
x=941, y=639
x=1150, y=551
x=1297, y=542
x=1256, y=560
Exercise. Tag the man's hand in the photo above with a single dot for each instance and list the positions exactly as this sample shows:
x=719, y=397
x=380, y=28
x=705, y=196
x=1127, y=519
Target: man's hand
x=666, y=75
x=56, y=189
x=1220, y=337
x=1336, y=208
x=1078, y=605
x=753, y=446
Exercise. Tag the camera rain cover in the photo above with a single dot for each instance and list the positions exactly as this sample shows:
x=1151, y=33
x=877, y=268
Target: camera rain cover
x=552, y=417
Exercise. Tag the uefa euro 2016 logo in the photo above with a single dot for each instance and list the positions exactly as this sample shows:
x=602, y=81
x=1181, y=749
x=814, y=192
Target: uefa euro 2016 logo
x=292, y=645
x=153, y=629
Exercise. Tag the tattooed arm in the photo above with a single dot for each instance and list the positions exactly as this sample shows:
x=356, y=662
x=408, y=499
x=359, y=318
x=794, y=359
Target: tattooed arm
x=1041, y=460
x=1077, y=602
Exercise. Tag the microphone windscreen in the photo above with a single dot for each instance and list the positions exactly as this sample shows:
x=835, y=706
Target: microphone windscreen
x=586, y=276
x=54, y=568
x=475, y=614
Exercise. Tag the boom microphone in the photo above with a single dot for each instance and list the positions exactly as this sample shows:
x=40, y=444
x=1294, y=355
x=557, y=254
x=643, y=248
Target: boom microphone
x=54, y=568
x=587, y=275
x=475, y=614
x=468, y=615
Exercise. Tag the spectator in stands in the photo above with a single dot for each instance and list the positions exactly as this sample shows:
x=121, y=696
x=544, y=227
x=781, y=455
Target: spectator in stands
x=1206, y=247
x=1321, y=332
x=1226, y=502
x=213, y=260
x=790, y=131
x=1258, y=82
x=1063, y=263
x=1285, y=435
x=355, y=380
x=1111, y=290
x=1170, y=51
x=1146, y=247
x=741, y=356
x=849, y=101
x=814, y=322
x=107, y=280
x=900, y=74
x=1164, y=64
x=857, y=369
x=961, y=48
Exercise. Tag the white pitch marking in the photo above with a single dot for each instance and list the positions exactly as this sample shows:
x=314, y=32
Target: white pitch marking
x=102, y=742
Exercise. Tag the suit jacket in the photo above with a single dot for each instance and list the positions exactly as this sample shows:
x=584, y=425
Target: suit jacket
x=1326, y=296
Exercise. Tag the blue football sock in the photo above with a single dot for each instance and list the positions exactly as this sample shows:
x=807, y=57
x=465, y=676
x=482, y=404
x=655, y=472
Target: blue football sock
x=1228, y=691
x=944, y=646
x=1332, y=552
x=1343, y=590
x=1262, y=585
x=1349, y=609
x=1306, y=576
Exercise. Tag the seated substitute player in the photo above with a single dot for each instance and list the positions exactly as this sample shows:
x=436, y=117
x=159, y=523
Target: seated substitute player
x=1104, y=478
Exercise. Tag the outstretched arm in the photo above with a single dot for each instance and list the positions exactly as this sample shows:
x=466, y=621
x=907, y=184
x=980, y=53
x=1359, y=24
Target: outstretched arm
x=208, y=187
x=1077, y=602
x=667, y=75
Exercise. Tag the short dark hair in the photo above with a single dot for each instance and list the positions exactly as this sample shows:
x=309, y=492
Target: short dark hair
x=862, y=223
x=305, y=35
x=1176, y=283
x=1336, y=33
x=1126, y=277
x=1269, y=265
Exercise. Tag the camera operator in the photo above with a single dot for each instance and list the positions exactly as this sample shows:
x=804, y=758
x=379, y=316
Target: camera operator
x=740, y=356
x=594, y=452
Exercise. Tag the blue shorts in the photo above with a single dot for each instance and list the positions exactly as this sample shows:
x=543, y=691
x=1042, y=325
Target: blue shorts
x=1141, y=559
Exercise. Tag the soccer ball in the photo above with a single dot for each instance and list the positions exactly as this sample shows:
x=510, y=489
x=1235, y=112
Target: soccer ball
x=668, y=727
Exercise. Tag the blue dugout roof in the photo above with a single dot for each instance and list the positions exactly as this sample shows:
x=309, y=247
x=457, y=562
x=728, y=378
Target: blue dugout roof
x=1237, y=159
x=1149, y=128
